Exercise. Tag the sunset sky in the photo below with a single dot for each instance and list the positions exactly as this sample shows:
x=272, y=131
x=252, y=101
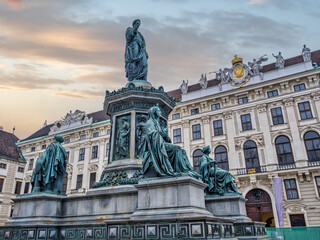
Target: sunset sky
x=61, y=55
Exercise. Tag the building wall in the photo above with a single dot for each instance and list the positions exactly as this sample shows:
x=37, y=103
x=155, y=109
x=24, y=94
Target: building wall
x=10, y=175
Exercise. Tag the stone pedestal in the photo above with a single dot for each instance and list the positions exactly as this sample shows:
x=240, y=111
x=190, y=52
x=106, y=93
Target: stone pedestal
x=228, y=206
x=170, y=198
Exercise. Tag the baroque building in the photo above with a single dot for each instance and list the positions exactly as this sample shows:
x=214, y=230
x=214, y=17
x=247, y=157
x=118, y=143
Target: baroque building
x=12, y=165
x=260, y=122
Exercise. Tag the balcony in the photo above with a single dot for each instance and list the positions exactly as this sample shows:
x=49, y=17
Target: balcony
x=313, y=163
x=286, y=166
x=243, y=171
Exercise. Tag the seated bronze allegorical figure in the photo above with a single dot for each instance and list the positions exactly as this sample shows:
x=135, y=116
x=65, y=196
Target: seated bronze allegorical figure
x=160, y=157
x=220, y=181
x=50, y=168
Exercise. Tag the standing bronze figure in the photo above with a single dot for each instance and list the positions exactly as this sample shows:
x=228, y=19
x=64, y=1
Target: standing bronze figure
x=136, y=55
x=50, y=168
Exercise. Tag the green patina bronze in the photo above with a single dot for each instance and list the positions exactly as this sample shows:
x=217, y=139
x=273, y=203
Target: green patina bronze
x=161, y=158
x=220, y=181
x=50, y=168
x=122, y=143
x=117, y=178
x=136, y=55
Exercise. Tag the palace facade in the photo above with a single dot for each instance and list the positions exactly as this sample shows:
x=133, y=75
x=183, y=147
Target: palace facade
x=267, y=127
x=12, y=167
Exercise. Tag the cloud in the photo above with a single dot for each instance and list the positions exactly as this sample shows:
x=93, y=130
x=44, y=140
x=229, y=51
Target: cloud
x=15, y=4
x=74, y=93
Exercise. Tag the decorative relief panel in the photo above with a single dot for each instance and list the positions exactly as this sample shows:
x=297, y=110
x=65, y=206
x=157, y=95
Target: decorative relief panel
x=122, y=137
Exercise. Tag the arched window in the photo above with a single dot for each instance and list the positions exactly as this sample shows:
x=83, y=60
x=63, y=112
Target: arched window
x=284, y=150
x=221, y=157
x=197, y=154
x=251, y=156
x=312, y=142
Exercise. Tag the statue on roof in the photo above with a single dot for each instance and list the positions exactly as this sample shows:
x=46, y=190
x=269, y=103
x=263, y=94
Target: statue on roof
x=222, y=76
x=136, y=56
x=279, y=60
x=47, y=175
x=203, y=81
x=184, y=87
x=256, y=67
x=306, y=53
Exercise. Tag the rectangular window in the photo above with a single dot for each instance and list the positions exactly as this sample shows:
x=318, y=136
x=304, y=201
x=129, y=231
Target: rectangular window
x=1, y=184
x=242, y=100
x=26, y=187
x=175, y=116
x=92, y=178
x=83, y=137
x=95, y=134
x=79, y=181
x=68, y=154
x=299, y=87
x=108, y=131
x=30, y=166
x=81, y=154
x=33, y=149
x=94, y=151
x=305, y=110
x=217, y=126
x=291, y=188
x=43, y=146
x=196, y=131
x=277, y=117
x=3, y=165
x=318, y=184
x=194, y=111
x=215, y=106
x=21, y=169
x=246, y=122
x=177, y=135
x=67, y=140
x=107, y=149
x=17, y=190
x=273, y=93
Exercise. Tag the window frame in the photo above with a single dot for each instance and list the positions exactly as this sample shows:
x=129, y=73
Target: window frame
x=298, y=88
x=316, y=185
x=177, y=137
x=196, y=133
x=95, y=134
x=215, y=106
x=94, y=151
x=306, y=146
x=26, y=190
x=107, y=149
x=217, y=130
x=83, y=137
x=272, y=93
x=246, y=123
x=278, y=145
x=291, y=189
x=196, y=166
x=67, y=140
x=240, y=100
x=20, y=169
x=17, y=188
x=3, y=165
x=79, y=182
x=222, y=163
x=305, y=111
x=33, y=149
x=2, y=179
x=194, y=111
x=175, y=116
x=43, y=146
x=91, y=182
x=30, y=166
x=82, y=154
x=277, y=116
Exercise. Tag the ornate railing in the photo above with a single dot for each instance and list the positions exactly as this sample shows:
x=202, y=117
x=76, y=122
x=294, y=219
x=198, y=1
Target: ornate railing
x=243, y=171
x=286, y=166
x=313, y=163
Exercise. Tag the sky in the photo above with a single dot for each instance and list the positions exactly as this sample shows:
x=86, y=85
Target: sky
x=62, y=55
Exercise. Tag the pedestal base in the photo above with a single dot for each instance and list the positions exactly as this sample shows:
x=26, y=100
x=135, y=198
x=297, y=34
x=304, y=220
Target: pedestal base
x=228, y=206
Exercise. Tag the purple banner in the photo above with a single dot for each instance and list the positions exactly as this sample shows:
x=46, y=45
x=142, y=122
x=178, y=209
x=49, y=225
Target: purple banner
x=277, y=189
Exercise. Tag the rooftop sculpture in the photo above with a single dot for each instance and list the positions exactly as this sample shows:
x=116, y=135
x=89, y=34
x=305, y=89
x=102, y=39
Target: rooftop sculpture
x=279, y=60
x=306, y=53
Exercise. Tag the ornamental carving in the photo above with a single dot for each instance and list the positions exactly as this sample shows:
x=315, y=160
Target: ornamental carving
x=315, y=96
x=27, y=178
x=295, y=208
x=262, y=107
x=93, y=168
x=227, y=115
x=288, y=101
x=69, y=169
x=259, y=140
x=205, y=119
x=71, y=121
x=122, y=134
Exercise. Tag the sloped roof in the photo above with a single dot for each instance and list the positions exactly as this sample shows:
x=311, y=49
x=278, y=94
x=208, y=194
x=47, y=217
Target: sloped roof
x=315, y=56
x=8, y=148
x=96, y=116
